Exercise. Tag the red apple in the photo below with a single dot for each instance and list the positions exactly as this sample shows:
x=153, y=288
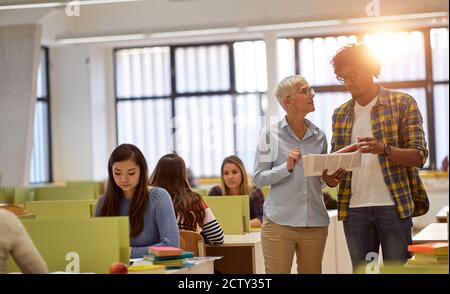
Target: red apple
x=118, y=268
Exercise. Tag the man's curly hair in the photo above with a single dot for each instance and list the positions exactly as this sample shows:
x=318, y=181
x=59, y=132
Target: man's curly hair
x=356, y=55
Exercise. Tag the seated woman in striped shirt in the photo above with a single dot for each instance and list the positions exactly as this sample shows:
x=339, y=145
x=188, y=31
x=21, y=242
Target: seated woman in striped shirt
x=150, y=210
x=192, y=212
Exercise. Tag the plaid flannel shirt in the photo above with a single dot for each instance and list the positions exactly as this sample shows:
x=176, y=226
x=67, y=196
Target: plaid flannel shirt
x=396, y=121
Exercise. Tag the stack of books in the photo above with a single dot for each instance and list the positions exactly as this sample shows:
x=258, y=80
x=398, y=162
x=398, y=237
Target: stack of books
x=429, y=254
x=169, y=257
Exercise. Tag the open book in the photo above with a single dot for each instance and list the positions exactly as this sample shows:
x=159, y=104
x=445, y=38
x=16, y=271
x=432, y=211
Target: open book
x=347, y=158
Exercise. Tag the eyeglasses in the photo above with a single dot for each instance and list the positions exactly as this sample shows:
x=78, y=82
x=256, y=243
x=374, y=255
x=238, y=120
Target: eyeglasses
x=305, y=91
x=351, y=75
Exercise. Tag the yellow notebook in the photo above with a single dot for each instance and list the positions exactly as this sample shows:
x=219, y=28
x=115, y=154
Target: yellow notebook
x=146, y=269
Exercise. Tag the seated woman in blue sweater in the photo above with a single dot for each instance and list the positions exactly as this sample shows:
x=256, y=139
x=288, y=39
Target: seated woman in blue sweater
x=150, y=210
x=192, y=212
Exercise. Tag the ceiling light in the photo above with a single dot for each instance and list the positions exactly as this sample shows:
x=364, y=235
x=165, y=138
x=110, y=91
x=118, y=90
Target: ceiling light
x=53, y=4
x=95, y=39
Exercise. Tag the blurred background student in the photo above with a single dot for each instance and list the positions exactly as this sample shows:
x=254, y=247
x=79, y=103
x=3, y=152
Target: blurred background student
x=14, y=240
x=234, y=181
x=150, y=210
x=192, y=180
x=191, y=210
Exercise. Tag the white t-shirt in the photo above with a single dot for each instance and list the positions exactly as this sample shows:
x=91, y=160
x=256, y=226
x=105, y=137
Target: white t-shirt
x=368, y=186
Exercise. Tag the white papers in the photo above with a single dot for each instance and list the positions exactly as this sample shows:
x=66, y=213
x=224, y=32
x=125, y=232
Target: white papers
x=347, y=158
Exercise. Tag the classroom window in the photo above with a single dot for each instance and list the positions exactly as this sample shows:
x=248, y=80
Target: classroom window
x=143, y=88
x=188, y=99
x=40, y=165
x=404, y=60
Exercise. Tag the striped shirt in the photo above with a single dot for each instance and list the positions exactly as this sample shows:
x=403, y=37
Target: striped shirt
x=210, y=229
x=396, y=121
x=160, y=225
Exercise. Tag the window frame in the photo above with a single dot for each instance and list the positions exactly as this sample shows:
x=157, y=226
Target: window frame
x=232, y=92
x=427, y=84
x=46, y=99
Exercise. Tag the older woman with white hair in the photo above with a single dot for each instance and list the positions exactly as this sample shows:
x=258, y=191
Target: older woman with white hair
x=295, y=218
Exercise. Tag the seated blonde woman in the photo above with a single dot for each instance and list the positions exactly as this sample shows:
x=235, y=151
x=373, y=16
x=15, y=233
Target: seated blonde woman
x=234, y=181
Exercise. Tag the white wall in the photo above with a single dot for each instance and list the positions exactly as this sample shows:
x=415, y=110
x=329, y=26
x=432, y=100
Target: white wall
x=19, y=61
x=71, y=113
x=82, y=110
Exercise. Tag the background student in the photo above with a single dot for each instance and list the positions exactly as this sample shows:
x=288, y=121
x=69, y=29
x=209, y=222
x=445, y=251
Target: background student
x=150, y=210
x=191, y=210
x=234, y=181
x=14, y=240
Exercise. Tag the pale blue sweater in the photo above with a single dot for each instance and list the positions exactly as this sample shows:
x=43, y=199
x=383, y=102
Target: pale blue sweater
x=160, y=225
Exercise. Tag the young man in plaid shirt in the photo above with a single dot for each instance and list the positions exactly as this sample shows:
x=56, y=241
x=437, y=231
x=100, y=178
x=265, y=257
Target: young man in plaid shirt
x=378, y=200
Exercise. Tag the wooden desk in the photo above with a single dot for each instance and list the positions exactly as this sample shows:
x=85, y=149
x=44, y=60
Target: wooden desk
x=435, y=232
x=441, y=216
x=242, y=254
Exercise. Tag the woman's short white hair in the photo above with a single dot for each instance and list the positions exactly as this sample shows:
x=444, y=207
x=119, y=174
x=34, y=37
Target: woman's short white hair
x=287, y=87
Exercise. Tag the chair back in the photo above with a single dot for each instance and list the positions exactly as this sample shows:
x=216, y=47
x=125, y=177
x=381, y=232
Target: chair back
x=192, y=241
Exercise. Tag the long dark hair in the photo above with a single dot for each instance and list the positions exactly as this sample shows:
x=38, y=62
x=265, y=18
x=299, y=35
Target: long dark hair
x=114, y=193
x=170, y=174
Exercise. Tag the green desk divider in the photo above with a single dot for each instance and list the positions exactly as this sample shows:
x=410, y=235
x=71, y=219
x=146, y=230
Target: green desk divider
x=202, y=192
x=64, y=193
x=332, y=191
x=60, y=208
x=392, y=268
x=96, y=186
x=265, y=190
x=27, y=216
x=15, y=195
x=84, y=244
x=93, y=208
x=2, y=195
x=232, y=212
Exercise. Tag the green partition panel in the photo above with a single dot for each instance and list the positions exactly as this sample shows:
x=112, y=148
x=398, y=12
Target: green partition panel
x=96, y=186
x=202, y=192
x=27, y=216
x=64, y=193
x=86, y=244
x=93, y=208
x=15, y=195
x=245, y=210
x=332, y=191
x=232, y=212
x=3, y=195
x=265, y=190
x=60, y=208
